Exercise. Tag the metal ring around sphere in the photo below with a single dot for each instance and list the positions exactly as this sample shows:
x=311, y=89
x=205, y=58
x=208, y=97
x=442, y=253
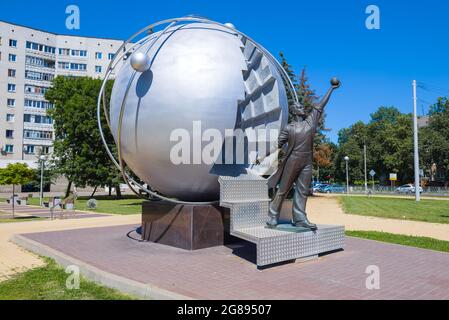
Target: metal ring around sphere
x=123, y=56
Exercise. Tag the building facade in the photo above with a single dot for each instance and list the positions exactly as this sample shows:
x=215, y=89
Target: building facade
x=29, y=60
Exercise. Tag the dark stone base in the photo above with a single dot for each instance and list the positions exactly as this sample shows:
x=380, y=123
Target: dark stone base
x=185, y=226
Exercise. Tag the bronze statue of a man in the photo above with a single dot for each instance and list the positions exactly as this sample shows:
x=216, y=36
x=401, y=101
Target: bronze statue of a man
x=297, y=165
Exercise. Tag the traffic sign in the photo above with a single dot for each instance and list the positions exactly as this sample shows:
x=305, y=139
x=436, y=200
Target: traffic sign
x=393, y=176
x=372, y=173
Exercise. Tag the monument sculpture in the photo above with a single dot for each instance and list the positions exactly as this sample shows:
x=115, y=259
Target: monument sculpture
x=297, y=165
x=184, y=84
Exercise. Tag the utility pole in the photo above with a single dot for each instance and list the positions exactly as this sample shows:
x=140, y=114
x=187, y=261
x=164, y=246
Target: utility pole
x=366, y=174
x=415, y=142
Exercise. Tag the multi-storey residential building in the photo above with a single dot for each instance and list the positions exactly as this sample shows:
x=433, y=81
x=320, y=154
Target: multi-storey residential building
x=29, y=60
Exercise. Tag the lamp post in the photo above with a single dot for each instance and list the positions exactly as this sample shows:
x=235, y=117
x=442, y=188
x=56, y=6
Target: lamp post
x=41, y=196
x=364, y=162
x=347, y=174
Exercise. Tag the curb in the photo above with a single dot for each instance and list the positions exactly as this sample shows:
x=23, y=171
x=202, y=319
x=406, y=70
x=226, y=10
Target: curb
x=131, y=287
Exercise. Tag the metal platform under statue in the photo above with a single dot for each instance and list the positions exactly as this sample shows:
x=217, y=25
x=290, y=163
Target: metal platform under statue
x=247, y=198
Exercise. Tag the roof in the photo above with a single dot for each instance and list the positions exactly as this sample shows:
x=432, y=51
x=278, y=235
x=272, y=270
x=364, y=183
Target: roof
x=59, y=34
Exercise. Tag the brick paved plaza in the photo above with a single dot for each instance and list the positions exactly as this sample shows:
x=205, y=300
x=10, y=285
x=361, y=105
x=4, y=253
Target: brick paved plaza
x=228, y=272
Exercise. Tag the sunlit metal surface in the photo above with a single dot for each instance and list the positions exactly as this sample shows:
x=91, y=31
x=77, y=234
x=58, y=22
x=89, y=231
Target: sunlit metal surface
x=201, y=71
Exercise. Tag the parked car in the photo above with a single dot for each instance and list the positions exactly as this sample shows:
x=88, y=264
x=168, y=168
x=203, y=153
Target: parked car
x=407, y=188
x=316, y=187
x=332, y=189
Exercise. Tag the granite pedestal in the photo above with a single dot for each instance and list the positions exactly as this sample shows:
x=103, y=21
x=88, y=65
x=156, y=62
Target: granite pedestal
x=189, y=227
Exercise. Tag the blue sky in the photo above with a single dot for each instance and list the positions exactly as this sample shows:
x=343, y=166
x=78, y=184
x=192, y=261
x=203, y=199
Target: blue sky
x=329, y=37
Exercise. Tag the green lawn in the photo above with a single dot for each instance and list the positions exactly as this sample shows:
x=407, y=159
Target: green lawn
x=395, y=208
x=49, y=283
x=129, y=205
x=2, y=220
x=418, y=242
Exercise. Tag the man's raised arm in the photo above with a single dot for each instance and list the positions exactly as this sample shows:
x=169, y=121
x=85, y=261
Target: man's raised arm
x=335, y=85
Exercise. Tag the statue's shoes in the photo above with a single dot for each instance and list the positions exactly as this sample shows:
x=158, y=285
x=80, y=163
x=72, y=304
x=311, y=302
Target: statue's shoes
x=272, y=222
x=306, y=224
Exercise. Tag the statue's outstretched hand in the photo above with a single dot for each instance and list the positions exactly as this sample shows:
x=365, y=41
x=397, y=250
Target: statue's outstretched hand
x=335, y=83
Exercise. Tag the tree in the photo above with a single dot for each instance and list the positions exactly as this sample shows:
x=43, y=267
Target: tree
x=291, y=74
x=15, y=174
x=434, y=139
x=78, y=152
x=389, y=140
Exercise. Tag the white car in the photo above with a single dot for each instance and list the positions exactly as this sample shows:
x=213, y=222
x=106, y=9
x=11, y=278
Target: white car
x=408, y=188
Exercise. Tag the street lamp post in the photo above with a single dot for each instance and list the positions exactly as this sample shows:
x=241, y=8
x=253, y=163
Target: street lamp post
x=41, y=196
x=347, y=174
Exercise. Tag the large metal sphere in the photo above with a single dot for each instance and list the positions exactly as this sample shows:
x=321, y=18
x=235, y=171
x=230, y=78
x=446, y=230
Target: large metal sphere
x=197, y=73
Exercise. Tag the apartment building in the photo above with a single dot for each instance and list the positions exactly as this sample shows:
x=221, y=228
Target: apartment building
x=29, y=60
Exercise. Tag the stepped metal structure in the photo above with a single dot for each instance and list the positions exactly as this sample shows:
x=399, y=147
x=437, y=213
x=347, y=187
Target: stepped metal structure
x=247, y=198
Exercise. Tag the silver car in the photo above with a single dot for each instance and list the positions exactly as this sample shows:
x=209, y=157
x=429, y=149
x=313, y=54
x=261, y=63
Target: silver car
x=408, y=188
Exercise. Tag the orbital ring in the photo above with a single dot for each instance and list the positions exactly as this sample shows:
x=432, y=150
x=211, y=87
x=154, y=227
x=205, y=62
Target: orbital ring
x=124, y=56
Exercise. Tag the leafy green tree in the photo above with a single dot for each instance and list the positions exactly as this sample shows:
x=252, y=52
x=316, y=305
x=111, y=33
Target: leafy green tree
x=434, y=146
x=291, y=74
x=15, y=174
x=389, y=140
x=78, y=152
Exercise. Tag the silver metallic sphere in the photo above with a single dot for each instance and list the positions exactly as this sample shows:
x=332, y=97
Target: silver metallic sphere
x=140, y=61
x=335, y=82
x=200, y=74
x=230, y=25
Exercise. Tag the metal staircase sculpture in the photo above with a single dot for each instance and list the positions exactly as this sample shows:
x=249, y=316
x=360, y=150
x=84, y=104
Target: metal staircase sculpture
x=247, y=198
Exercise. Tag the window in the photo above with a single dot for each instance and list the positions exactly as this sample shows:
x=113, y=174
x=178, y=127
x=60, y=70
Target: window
x=11, y=102
x=29, y=149
x=34, y=118
x=64, y=65
x=10, y=117
x=38, y=76
x=98, y=55
x=11, y=73
x=38, y=135
x=79, y=53
x=9, y=148
x=13, y=43
x=78, y=66
x=45, y=150
x=39, y=62
x=98, y=69
x=64, y=52
x=40, y=47
x=111, y=56
x=11, y=87
x=30, y=89
x=38, y=104
x=12, y=58
x=10, y=134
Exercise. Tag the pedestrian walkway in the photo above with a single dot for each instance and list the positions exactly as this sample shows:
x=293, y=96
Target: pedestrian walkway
x=42, y=212
x=14, y=259
x=365, y=270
